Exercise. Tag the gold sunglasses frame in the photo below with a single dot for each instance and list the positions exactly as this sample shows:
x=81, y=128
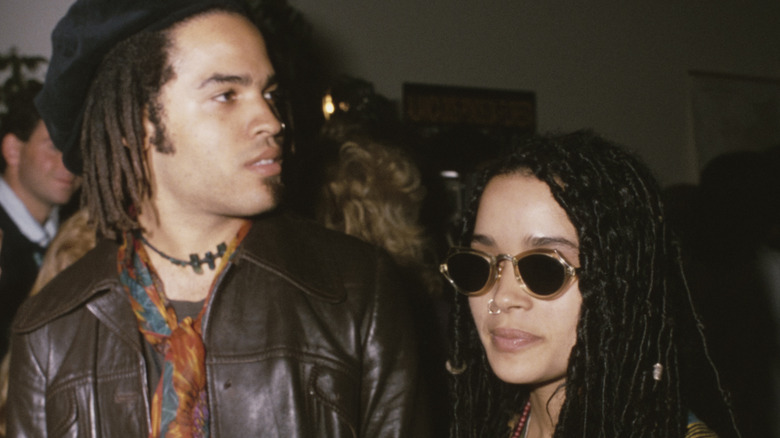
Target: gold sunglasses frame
x=570, y=272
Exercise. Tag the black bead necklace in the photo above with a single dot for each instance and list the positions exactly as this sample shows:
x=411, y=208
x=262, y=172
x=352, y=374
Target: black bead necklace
x=195, y=261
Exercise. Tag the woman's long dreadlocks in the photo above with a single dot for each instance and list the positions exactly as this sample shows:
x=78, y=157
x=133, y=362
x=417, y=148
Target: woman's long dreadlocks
x=636, y=309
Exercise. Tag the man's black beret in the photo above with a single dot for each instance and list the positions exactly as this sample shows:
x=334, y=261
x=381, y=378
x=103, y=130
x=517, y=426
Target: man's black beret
x=89, y=30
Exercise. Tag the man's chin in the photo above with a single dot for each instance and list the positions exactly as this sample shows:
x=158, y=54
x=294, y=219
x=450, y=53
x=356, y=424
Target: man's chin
x=265, y=201
x=60, y=199
x=275, y=188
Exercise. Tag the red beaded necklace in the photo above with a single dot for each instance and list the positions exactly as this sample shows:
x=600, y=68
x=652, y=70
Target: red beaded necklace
x=523, y=420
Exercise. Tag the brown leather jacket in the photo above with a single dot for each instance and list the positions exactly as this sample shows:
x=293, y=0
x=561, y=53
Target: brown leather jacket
x=307, y=335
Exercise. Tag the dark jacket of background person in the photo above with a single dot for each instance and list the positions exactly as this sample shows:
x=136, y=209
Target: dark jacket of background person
x=18, y=263
x=725, y=223
x=30, y=182
x=306, y=331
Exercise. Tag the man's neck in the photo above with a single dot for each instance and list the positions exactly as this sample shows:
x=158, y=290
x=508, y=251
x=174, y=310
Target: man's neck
x=178, y=238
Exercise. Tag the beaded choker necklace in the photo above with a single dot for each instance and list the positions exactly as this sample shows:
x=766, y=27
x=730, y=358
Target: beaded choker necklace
x=522, y=422
x=195, y=261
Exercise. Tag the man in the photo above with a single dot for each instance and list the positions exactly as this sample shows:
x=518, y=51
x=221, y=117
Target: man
x=34, y=184
x=204, y=312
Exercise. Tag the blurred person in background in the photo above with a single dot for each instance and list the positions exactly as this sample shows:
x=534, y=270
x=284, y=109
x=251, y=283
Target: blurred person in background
x=34, y=184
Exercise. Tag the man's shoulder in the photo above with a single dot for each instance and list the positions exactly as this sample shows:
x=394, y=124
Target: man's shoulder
x=320, y=261
x=71, y=288
x=285, y=228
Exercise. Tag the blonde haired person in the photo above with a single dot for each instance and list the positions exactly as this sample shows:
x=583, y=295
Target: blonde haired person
x=374, y=192
x=73, y=240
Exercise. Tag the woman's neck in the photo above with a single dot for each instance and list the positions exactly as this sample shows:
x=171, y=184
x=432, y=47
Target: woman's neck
x=546, y=403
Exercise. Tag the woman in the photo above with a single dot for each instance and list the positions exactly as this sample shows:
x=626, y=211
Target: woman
x=573, y=317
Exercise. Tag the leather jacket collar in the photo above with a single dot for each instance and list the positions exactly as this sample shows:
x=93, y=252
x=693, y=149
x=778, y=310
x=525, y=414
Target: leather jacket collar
x=96, y=272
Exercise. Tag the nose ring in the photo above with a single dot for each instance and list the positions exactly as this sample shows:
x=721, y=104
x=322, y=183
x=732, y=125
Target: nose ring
x=493, y=308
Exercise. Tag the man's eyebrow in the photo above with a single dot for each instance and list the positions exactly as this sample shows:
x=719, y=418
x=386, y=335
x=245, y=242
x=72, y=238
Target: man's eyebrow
x=218, y=78
x=243, y=80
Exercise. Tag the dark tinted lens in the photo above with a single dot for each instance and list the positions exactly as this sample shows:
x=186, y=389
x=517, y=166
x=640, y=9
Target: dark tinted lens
x=469, y=272
x=542, y=274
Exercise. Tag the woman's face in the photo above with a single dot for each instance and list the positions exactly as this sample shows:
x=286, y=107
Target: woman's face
x=529, y=341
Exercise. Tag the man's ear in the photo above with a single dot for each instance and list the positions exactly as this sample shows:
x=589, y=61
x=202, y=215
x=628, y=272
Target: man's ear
x=12, y=149
x=149, y=130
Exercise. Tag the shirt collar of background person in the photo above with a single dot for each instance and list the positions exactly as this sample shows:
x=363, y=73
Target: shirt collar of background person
x=18, y=213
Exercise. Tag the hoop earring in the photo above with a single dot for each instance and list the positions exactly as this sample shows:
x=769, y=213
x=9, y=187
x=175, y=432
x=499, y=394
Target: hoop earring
x=493, y=308
x=453, y=369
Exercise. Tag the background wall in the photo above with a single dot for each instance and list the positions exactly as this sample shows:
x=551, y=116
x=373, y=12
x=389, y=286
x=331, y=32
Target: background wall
x=27, y=24
x=620, y=68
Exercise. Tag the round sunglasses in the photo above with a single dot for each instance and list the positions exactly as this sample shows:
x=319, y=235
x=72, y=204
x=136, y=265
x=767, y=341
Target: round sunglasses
x=544, y=272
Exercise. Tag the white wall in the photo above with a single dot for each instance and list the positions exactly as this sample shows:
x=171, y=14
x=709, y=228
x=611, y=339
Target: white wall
x=618, y=67
x=27, y=25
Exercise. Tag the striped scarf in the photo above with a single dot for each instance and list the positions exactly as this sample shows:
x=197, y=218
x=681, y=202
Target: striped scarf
x=180, y=403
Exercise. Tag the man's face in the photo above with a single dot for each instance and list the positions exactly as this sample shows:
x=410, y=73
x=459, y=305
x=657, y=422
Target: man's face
x=219, y=118
x=42, y=175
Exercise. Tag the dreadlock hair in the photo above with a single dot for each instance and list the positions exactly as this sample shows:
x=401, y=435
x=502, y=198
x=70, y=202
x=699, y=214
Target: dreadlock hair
x=636, y=307
x=125, y=90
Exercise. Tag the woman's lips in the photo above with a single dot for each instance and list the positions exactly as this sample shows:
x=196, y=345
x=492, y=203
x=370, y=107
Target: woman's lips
x=511, y=340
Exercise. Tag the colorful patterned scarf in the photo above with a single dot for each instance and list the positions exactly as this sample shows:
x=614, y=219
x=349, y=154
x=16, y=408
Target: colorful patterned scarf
x=180, y=403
